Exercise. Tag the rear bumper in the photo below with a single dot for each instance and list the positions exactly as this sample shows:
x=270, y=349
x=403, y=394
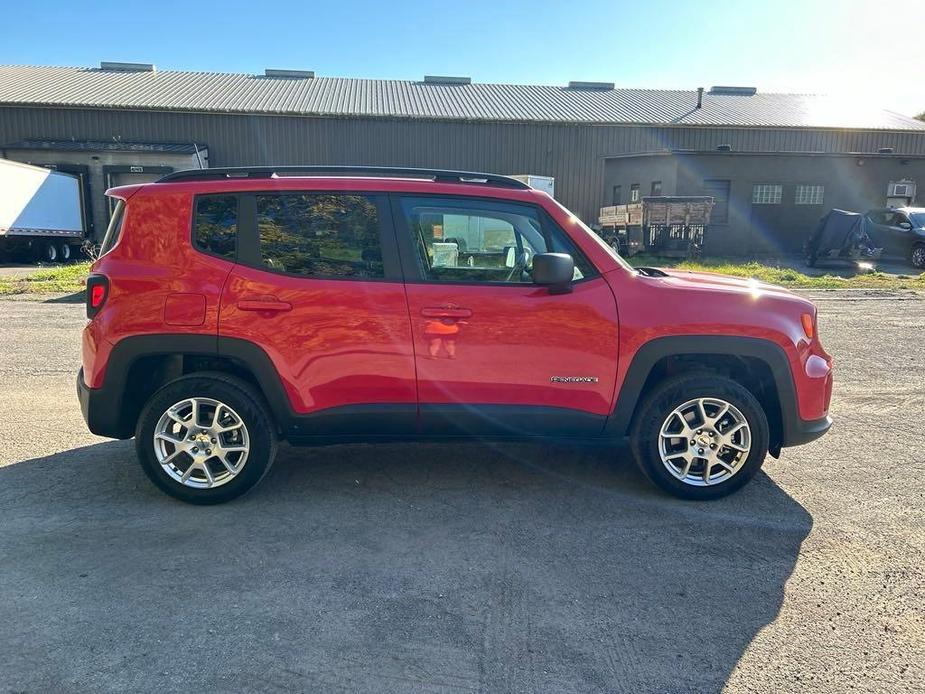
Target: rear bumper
x=100, y=411
x=802, y=431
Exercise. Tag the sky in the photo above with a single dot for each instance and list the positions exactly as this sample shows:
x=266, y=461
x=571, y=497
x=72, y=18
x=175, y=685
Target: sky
x=852, y=48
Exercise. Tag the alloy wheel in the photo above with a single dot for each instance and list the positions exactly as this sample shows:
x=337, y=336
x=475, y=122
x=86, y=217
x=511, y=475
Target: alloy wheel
x=704, y=442
x=201, y=443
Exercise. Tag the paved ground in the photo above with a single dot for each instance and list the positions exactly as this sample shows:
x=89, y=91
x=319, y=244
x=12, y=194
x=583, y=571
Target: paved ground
x=474, y=568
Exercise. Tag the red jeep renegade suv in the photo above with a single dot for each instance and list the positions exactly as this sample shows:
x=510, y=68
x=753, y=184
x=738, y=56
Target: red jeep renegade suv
x=232, y=308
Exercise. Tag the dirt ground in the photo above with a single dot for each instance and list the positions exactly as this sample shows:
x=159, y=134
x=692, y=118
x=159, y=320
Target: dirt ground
x=472, y=567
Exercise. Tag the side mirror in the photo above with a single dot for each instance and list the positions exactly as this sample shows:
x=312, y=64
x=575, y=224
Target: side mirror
x=905, y=226
x=554, y=270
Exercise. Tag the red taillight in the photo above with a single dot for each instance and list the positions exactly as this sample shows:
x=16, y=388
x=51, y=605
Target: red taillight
x=97, y=291
x=97, y=294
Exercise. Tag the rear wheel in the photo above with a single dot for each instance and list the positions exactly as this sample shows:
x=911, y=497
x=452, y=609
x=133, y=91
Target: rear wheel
x=917, y=257
x=205, y=438
x=64, y=252
x=700, y=436
x=47, y=252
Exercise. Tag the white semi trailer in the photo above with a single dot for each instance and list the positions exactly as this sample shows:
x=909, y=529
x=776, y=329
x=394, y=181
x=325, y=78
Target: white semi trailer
x=40, y=213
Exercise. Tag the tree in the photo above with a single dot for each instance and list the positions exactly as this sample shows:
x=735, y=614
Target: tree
x=921, y=116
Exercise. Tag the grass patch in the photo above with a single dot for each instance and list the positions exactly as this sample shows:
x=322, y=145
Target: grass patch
x=787, y=276
x=63, y=279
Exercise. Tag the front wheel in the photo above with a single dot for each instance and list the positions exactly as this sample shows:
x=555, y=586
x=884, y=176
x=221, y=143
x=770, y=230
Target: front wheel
x=918, y=256
x=700, y=436
x=205, y=438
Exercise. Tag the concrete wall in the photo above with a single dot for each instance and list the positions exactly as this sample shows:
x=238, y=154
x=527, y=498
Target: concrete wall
x=851, y=182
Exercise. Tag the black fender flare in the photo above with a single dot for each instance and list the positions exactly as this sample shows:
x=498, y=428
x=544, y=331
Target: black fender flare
x=106, y=406
x=651, y=352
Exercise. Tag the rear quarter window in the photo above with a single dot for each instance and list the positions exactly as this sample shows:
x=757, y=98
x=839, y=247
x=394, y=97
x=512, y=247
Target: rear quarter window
x=114, y=230
x=215, y=225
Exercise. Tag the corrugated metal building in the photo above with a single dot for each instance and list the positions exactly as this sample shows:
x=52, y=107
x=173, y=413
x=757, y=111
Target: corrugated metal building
x=775, y=162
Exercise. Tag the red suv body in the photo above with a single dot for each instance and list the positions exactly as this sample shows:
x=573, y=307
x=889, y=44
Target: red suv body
x=344, y=305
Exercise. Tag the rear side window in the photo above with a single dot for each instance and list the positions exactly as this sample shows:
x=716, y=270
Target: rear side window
x=320, y=235
x=215, y=228
x=114, y=230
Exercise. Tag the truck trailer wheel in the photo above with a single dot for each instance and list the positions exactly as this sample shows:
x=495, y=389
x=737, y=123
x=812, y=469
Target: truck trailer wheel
x=46, y=251
x=65, y=252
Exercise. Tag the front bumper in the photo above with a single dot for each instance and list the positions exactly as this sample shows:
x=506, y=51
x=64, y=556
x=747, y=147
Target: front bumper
x=803, y=431
x=101, y=413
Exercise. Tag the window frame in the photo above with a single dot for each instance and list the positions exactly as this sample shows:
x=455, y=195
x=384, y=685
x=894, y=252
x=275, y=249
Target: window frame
x=414, y=274
x=237, y=239
x=249, y=247
x=635, y=193
x=780, y=197
x=796, y=194
x=652, y=190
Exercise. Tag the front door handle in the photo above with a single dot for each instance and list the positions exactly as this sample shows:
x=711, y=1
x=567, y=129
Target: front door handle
x=267, y=303
x=445, y=312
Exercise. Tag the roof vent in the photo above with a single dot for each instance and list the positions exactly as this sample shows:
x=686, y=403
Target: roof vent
x=438, y=79
x=603, y=86
x=127, y=67
x=734, y=91
x=885, y=150
x=723, y=148
x=290, y=74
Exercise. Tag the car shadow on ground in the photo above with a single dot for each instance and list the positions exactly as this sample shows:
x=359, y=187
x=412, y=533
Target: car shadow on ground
x=75, y=298
x=483, y=567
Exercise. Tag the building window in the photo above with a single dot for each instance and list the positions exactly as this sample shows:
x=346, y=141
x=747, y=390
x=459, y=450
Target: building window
x=216, y=226
x=617, y=195
x=719, y=191
x=320, y=235
x=767, y=194
x=809, y=195
x=656, y=187
x=634, y=192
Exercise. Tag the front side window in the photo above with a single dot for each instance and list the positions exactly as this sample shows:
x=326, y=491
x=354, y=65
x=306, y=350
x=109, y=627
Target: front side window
x=215, y=227
x=809, y=195
x=767, y=194
x=333, y=235
x=469, y=241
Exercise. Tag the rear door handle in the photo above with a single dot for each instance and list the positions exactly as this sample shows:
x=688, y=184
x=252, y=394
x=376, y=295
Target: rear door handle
x=442, y=312
x=264, y=304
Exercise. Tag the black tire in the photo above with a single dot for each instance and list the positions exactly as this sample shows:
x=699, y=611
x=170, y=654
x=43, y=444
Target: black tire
x=65, y=252
x=239, y=396
x=47, y=252
x=917, y=256
x=674, y=392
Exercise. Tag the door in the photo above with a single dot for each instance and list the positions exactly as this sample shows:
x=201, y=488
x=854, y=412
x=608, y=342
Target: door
x=318, y=287
x=885, y=232
x=495, y=353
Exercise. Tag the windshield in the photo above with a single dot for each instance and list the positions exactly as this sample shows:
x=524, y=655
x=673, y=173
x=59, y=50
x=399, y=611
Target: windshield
x=918, y=219
x=603, y=244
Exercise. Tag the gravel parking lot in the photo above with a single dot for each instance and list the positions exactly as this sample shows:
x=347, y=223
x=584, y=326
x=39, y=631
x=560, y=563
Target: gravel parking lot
x=467, y=567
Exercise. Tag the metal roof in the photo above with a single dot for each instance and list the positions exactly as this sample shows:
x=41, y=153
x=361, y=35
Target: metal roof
x=334, y=96
x=91, y=146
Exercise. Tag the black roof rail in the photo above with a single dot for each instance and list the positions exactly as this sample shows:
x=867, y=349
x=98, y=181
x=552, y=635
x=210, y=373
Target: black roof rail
x=437, y=175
